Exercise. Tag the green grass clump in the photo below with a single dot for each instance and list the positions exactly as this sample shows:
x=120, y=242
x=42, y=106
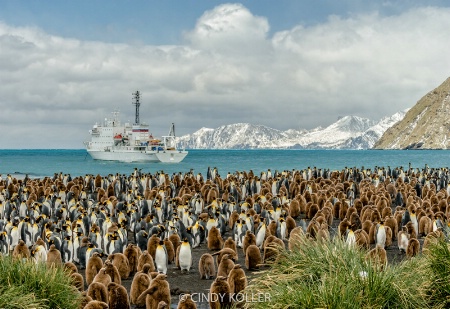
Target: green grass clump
x=14, y=297
x=331, y=274
x=436, y=261
x=36, y=284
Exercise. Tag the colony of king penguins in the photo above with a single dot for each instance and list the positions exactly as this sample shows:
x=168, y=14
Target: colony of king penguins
x=136, y=228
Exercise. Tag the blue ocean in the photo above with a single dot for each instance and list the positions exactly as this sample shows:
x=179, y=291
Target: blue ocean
x=77, y=162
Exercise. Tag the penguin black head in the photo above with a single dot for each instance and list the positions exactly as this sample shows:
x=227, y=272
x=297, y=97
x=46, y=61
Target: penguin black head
x=161, y=242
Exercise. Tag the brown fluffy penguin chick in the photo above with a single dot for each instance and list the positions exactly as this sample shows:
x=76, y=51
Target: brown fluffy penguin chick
x=78, y=281
x=425, y=226
x=296, y=238
x=272, y=228
x=132, y=254
x=388, y=236
x=224, y=251
x=294, y=208
x=120, y=261
x=95, y=304
x=249, y=239
x=85, y=299
x=411, y=230
x=70, y=267
x=237, y=279
x=146, y=269
x=117, y=296
x=230, y=243
x=40, y=242
x=113, y=272
x=272, y=249
x=252, y=257
x=206, y=267
x=431, y=238
x=102, y=277
x=145, y=258
x=152, y=244
x=413, y=248
x=378, y=257
x=170, y=250
x=159, y=290
x=343, y=226
x=93, y=266
x=225, y=266
x=186, y=302
x=21, y=251
x=220, y=294
x=98, y=291
x=268, y=240
x=163, y=305
x=53, y=257
x=290, y=225
x=362, y=239
x=175, y=240
x=141, y=282
x=215, y=241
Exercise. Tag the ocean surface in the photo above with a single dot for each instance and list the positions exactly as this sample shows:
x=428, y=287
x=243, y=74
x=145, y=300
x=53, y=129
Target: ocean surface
x=77, y=162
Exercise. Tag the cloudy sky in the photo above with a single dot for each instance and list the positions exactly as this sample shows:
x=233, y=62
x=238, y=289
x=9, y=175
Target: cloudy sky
x=65, y=65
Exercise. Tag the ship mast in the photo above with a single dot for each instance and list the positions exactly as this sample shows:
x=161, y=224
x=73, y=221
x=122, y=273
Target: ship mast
x=136, y=98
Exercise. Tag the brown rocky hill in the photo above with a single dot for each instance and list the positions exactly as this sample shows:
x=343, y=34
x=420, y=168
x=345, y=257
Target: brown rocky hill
x=425, y=126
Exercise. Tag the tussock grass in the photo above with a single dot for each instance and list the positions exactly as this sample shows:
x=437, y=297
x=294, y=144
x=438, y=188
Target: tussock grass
x=436, y=262
x=14, y=297
x=331, y=274
x=38, y=286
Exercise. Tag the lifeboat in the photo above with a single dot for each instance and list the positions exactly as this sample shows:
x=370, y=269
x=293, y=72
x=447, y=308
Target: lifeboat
x=154, y=142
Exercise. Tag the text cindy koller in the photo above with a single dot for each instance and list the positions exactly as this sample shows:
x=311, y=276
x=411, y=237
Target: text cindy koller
x=235, y=297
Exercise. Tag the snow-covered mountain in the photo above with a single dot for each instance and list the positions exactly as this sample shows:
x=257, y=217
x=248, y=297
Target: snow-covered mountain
x=349, y=132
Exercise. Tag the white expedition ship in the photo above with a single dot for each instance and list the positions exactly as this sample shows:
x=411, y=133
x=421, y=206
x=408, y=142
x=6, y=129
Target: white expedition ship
x=113, y=141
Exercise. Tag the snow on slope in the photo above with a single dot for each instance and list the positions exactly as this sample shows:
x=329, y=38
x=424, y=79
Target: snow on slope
x=349, y=132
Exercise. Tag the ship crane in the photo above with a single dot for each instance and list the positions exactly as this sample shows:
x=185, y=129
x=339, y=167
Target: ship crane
x=136, y=101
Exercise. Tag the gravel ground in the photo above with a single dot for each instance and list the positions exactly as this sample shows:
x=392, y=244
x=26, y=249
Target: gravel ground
x=184, y=282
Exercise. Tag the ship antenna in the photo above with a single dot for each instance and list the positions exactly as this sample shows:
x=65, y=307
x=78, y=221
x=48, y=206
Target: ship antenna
x=136, y=97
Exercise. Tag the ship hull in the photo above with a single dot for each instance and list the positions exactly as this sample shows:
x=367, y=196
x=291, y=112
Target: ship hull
x=123, y=155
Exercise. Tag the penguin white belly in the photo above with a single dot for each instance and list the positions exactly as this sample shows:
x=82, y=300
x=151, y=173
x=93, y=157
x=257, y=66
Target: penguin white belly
x=111, y=247
x=274, y=188
x=14, y=237
x=403, y=242
x=23, y=210
x=381, y=237
x=185, y=257
x=249, y=225
x=283, y=231
x=69, y=254
x=415, y=225
x=260, y=237
x=351, y=239
x=40, y=255
x=161, y=260
x=76, y=245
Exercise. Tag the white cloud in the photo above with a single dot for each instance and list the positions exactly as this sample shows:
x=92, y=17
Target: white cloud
x=231, y=28
x=228, y=70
